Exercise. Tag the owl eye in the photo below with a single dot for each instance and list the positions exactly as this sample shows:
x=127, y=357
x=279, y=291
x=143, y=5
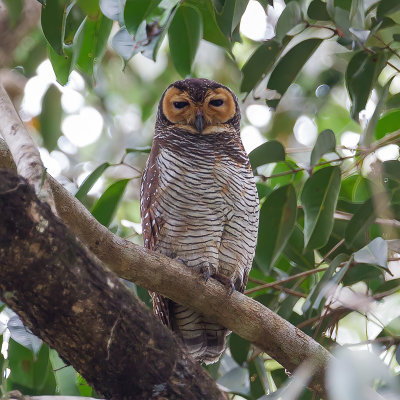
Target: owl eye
x=217, y=102
x=180, y=104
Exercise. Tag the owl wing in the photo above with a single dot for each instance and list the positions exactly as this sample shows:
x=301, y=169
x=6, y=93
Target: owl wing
x=151, y=225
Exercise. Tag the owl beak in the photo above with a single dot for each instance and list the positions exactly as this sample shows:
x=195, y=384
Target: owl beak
x=199, y=120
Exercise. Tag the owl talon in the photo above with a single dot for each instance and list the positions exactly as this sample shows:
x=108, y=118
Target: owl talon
x=226, y=282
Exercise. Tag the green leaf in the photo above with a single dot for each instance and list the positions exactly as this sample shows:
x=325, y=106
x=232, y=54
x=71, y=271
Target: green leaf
x=319, y=198
x=388, y=123
x=90, y=7
x=52, y=23
x=277, y=220
x=184, y=35
x=360, y=222
x=239, y=348
x=363, y=272
x=50, y=117
x=375, y=252
x=258, y=64
x=258, y=378
x=289, y=67
x=318, y=292
x=294, y=250
x=269, y=152
x=326, y=143
x=34, y=374
x=230, y=15
x=317, y=10
x=387, y=7
x=62, y=65
x=144, y=149
x=14, y=8
x=290, y=17
x=361, y=75
x=263, y=190
x=391, y=169
x=90, y=43
x=106, y=206
x=90, y=181
x=66, y=376
x=212, y=31
x=137, y=11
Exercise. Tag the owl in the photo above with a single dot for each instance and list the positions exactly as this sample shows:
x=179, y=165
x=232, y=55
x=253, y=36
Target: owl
x=199, y=202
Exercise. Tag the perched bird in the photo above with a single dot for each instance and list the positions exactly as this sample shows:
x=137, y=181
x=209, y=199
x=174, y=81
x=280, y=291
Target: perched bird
x=199, y=202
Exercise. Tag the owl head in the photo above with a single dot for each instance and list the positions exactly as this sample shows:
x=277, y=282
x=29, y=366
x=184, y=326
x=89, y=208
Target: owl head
x=199, y=106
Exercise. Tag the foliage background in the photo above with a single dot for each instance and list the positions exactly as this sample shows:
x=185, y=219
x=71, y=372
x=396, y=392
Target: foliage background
x=319, y=88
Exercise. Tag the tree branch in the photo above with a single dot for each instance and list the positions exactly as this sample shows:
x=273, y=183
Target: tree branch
x=23, y=150
x=83, y=310
x=241, y=314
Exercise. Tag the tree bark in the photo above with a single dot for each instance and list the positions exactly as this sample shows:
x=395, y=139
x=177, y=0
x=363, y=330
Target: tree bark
x=239, y=313
x=82, y=309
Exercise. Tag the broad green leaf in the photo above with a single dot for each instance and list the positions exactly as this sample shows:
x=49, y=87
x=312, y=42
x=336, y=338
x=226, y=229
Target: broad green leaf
x=319, y=198
x=361, y=75
x=184, y=36
x=391, y=169
x=50, y=117
x=52, y=23
x=360, y=222
x=66, y=376
x=106, y=206
x=269, y=152
x=230, y=15
x=289, y=67
x=14, y=8
x=375, y=252
x=326, y=143
x=34, y=374
x=137, y=11
x=388, y=123
x=363, y=273
x=90, y=43
x=317, y=10
x=387, y=7
x=277, y=220
x=90, y=7
x=290, y=17
x=62, y=65
x=91, y=179
x=263, y=190
x=362, y=189
x=258, y=64
x=211, y=30
x=357, y=13
x=318, y=292
x=239, y=348
x=294, y=250
x=73, y=20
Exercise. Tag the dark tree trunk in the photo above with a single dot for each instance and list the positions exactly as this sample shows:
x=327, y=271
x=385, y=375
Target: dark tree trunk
x=81, y=309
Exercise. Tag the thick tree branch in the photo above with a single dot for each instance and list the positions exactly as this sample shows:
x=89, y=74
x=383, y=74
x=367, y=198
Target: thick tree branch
x=23, y=150
x=83, y=310
x=246, y=317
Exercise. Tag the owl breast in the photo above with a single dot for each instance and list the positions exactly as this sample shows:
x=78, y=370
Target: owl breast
x=207, y=207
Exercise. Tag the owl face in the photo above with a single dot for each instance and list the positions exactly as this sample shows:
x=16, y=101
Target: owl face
x=200, y=106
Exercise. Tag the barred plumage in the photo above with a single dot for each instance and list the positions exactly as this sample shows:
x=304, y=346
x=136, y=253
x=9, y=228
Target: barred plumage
x=199, y=203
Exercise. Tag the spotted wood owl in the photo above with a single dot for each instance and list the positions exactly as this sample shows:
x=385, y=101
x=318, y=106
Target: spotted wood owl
x=199, y=202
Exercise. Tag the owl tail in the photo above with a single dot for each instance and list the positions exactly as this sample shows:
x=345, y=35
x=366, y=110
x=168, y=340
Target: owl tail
x=204, y=340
